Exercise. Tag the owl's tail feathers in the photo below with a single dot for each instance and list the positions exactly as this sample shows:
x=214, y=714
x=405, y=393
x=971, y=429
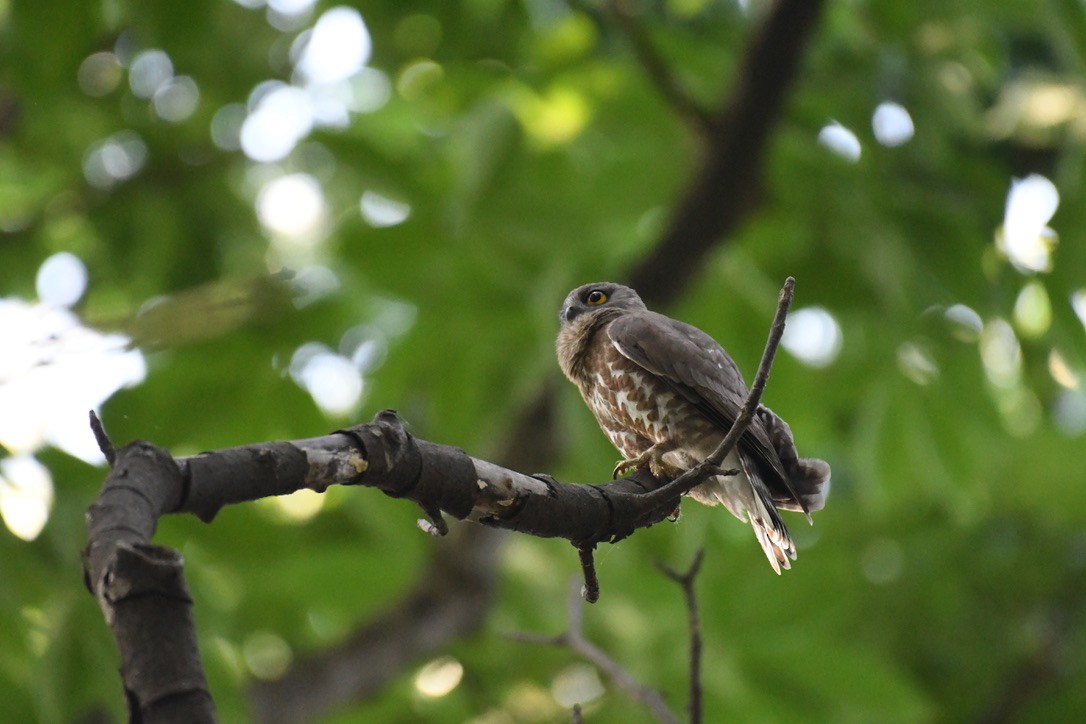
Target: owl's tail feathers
x=811, y=480
x=772, y=535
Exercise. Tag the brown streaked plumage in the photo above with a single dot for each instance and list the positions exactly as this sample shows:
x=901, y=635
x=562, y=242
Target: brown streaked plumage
x=666, y=393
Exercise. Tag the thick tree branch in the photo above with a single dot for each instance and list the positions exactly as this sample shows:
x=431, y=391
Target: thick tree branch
x=127, y=574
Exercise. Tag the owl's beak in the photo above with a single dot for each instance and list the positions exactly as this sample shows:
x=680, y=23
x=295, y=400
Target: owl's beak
x=567, y=314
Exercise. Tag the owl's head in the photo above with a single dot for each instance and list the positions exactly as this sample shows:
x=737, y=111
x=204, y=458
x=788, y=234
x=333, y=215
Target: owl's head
x=597, y=296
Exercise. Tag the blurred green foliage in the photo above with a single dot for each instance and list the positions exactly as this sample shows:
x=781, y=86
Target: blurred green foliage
x=945, y=581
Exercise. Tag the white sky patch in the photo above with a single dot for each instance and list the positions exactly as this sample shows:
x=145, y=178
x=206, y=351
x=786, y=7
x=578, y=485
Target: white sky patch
x=336, y=48
x=380, y=211
x=292, y=206
x=812, y=336
x=892, y=124
x=1026, y=239
x=840, y=141
x=61, y=280
x=26, y=496
x=52, y=371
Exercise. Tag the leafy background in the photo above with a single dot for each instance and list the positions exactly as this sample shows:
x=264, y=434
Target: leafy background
x=945, y=581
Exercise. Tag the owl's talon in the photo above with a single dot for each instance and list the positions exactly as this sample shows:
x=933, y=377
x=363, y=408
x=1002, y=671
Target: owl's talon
x=624, y=466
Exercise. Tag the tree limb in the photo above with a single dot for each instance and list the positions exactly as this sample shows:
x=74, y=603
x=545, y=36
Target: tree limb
x=727, y=187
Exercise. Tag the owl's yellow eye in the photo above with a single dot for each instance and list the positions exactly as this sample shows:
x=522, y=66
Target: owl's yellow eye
x=596, y=298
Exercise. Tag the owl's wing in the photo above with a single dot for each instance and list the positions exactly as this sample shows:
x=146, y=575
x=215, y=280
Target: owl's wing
x=697, y=368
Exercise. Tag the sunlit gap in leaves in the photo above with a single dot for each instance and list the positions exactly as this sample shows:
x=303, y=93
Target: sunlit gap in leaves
x=53, y=370
x=812, y=336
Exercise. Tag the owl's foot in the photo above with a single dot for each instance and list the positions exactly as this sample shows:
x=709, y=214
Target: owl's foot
x=653, y=459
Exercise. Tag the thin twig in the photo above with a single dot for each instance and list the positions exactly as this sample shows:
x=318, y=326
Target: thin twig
x=574, y=640
x=104, y=443
x=686, y=581
x=658, y=73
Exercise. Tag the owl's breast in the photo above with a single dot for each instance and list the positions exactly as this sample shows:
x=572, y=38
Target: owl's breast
x=635, y=408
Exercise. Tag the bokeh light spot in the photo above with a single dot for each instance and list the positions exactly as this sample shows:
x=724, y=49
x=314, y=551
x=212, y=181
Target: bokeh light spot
x=176, y=99
x=150, y=69
x=892, y=124
x=1025, y=237
x=840, y=141
x=330, y=379
x=281, y=117
x=1069, y=412
x=812, y=336
x=99, y=74
x=417, y=78
x=380, y=211
x=1061, y=371
x=26, y=496
x=576, y=684
x=917, y=364
x=1001, y=353
x=114, y=159
x=882, y=561
x=266, y=654
x=226, y=126
x=337, y=47
x=965, y=323
x=61, y=280
x=439, y=677
x=1033, y=310
x=292, y=206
